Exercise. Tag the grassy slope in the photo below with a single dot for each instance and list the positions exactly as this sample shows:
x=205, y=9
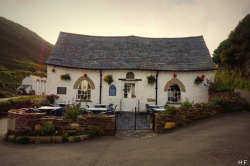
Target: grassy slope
x=235, y=79
x=20, y=54
x=20, y=47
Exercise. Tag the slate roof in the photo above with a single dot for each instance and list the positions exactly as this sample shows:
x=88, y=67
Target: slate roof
x=131, y=53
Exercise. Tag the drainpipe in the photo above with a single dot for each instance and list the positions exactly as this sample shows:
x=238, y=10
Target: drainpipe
x=156, y=88
x=100, y=97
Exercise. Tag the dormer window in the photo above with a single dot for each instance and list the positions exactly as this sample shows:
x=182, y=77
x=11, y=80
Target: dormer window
x=130, y=76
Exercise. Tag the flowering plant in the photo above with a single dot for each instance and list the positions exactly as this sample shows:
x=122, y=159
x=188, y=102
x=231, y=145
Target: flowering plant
x=218, y=85
x=198, y=80
x=65, y=76
x=187, y=103
x=151, y=79
x=108, y=79
x=51, y=98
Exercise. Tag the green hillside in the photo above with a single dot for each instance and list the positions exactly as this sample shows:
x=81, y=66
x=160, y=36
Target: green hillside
x=22, y=53
x=20, y=47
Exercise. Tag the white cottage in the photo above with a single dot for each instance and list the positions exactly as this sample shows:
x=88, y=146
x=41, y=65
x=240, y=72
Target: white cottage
x=36, y=83
x=175, y=63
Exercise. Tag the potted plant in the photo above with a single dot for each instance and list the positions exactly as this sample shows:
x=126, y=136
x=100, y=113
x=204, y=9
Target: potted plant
x=151, y=79
x=198, y=80
x=65, y=76
x=108, y=79
x=51, y=98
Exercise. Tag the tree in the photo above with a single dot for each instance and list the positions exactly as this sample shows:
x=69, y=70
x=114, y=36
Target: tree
x=235, y=50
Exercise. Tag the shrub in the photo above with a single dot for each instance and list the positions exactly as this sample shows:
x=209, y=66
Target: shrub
x=218, y=100
x=71, y=133
x=51, y=98
x=48, y=128
x=170, y=110
x=5, y=106
x=4, y=94
x=187, y=104
x=77, y=139
x=236, y=78
x=93, y=132
x=218, y=85
x=22, y=102
x=71, y=112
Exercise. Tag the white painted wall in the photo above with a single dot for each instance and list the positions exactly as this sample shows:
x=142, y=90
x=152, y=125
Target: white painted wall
x=197, y=93
x=37, y=83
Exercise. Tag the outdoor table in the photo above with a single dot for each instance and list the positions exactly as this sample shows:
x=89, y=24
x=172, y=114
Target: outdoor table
x=97, y=110
x=156, y=106
x=101, y=105
x=158, y=109
x=49, y=109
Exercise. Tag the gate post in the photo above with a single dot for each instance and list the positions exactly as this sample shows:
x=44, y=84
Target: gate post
x=135, y=118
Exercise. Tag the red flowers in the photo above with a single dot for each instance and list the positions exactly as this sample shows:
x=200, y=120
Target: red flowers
x=53, y=70
x=51, y=98
x=174, y=75
x=85, y=75
x=202, y=76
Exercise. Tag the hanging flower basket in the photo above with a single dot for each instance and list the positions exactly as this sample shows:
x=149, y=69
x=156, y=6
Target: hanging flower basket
x=151, y=79
x=65, y=77
x=198, y=80
x=108, y=79
x=174, y=75
x=53, y=70
x=85, y=75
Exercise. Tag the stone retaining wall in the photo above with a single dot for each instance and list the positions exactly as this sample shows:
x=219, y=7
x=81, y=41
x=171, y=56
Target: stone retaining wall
x=185, y=115
x=28, y=122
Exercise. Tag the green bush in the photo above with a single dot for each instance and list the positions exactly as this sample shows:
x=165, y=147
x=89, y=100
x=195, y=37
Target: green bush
x=22, y=102
x=170, y=110
x=72, y=112
x=93, y=132
x=218, y=100
x=77, y=139
x=187, y=104
x=71, y=133
x=48, y=128
x=5, y=106
x=219, y=85
x=236, y=78
x=4, y=94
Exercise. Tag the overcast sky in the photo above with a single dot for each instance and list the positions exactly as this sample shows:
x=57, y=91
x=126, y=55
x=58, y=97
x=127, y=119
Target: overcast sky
x=214, y=19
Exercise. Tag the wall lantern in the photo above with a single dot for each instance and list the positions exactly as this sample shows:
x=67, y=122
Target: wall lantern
x=85, y=75
x=53, y=70
x=174, y=75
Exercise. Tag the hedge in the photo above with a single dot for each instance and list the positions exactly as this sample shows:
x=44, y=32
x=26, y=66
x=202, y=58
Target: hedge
x=22, y=102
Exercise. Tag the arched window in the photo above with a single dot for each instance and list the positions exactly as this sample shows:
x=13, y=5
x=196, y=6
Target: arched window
x=130, y=76
x=84, y=90
x=174, y=93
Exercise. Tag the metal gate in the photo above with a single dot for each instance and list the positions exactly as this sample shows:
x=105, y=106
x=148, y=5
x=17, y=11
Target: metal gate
x=134, y=120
